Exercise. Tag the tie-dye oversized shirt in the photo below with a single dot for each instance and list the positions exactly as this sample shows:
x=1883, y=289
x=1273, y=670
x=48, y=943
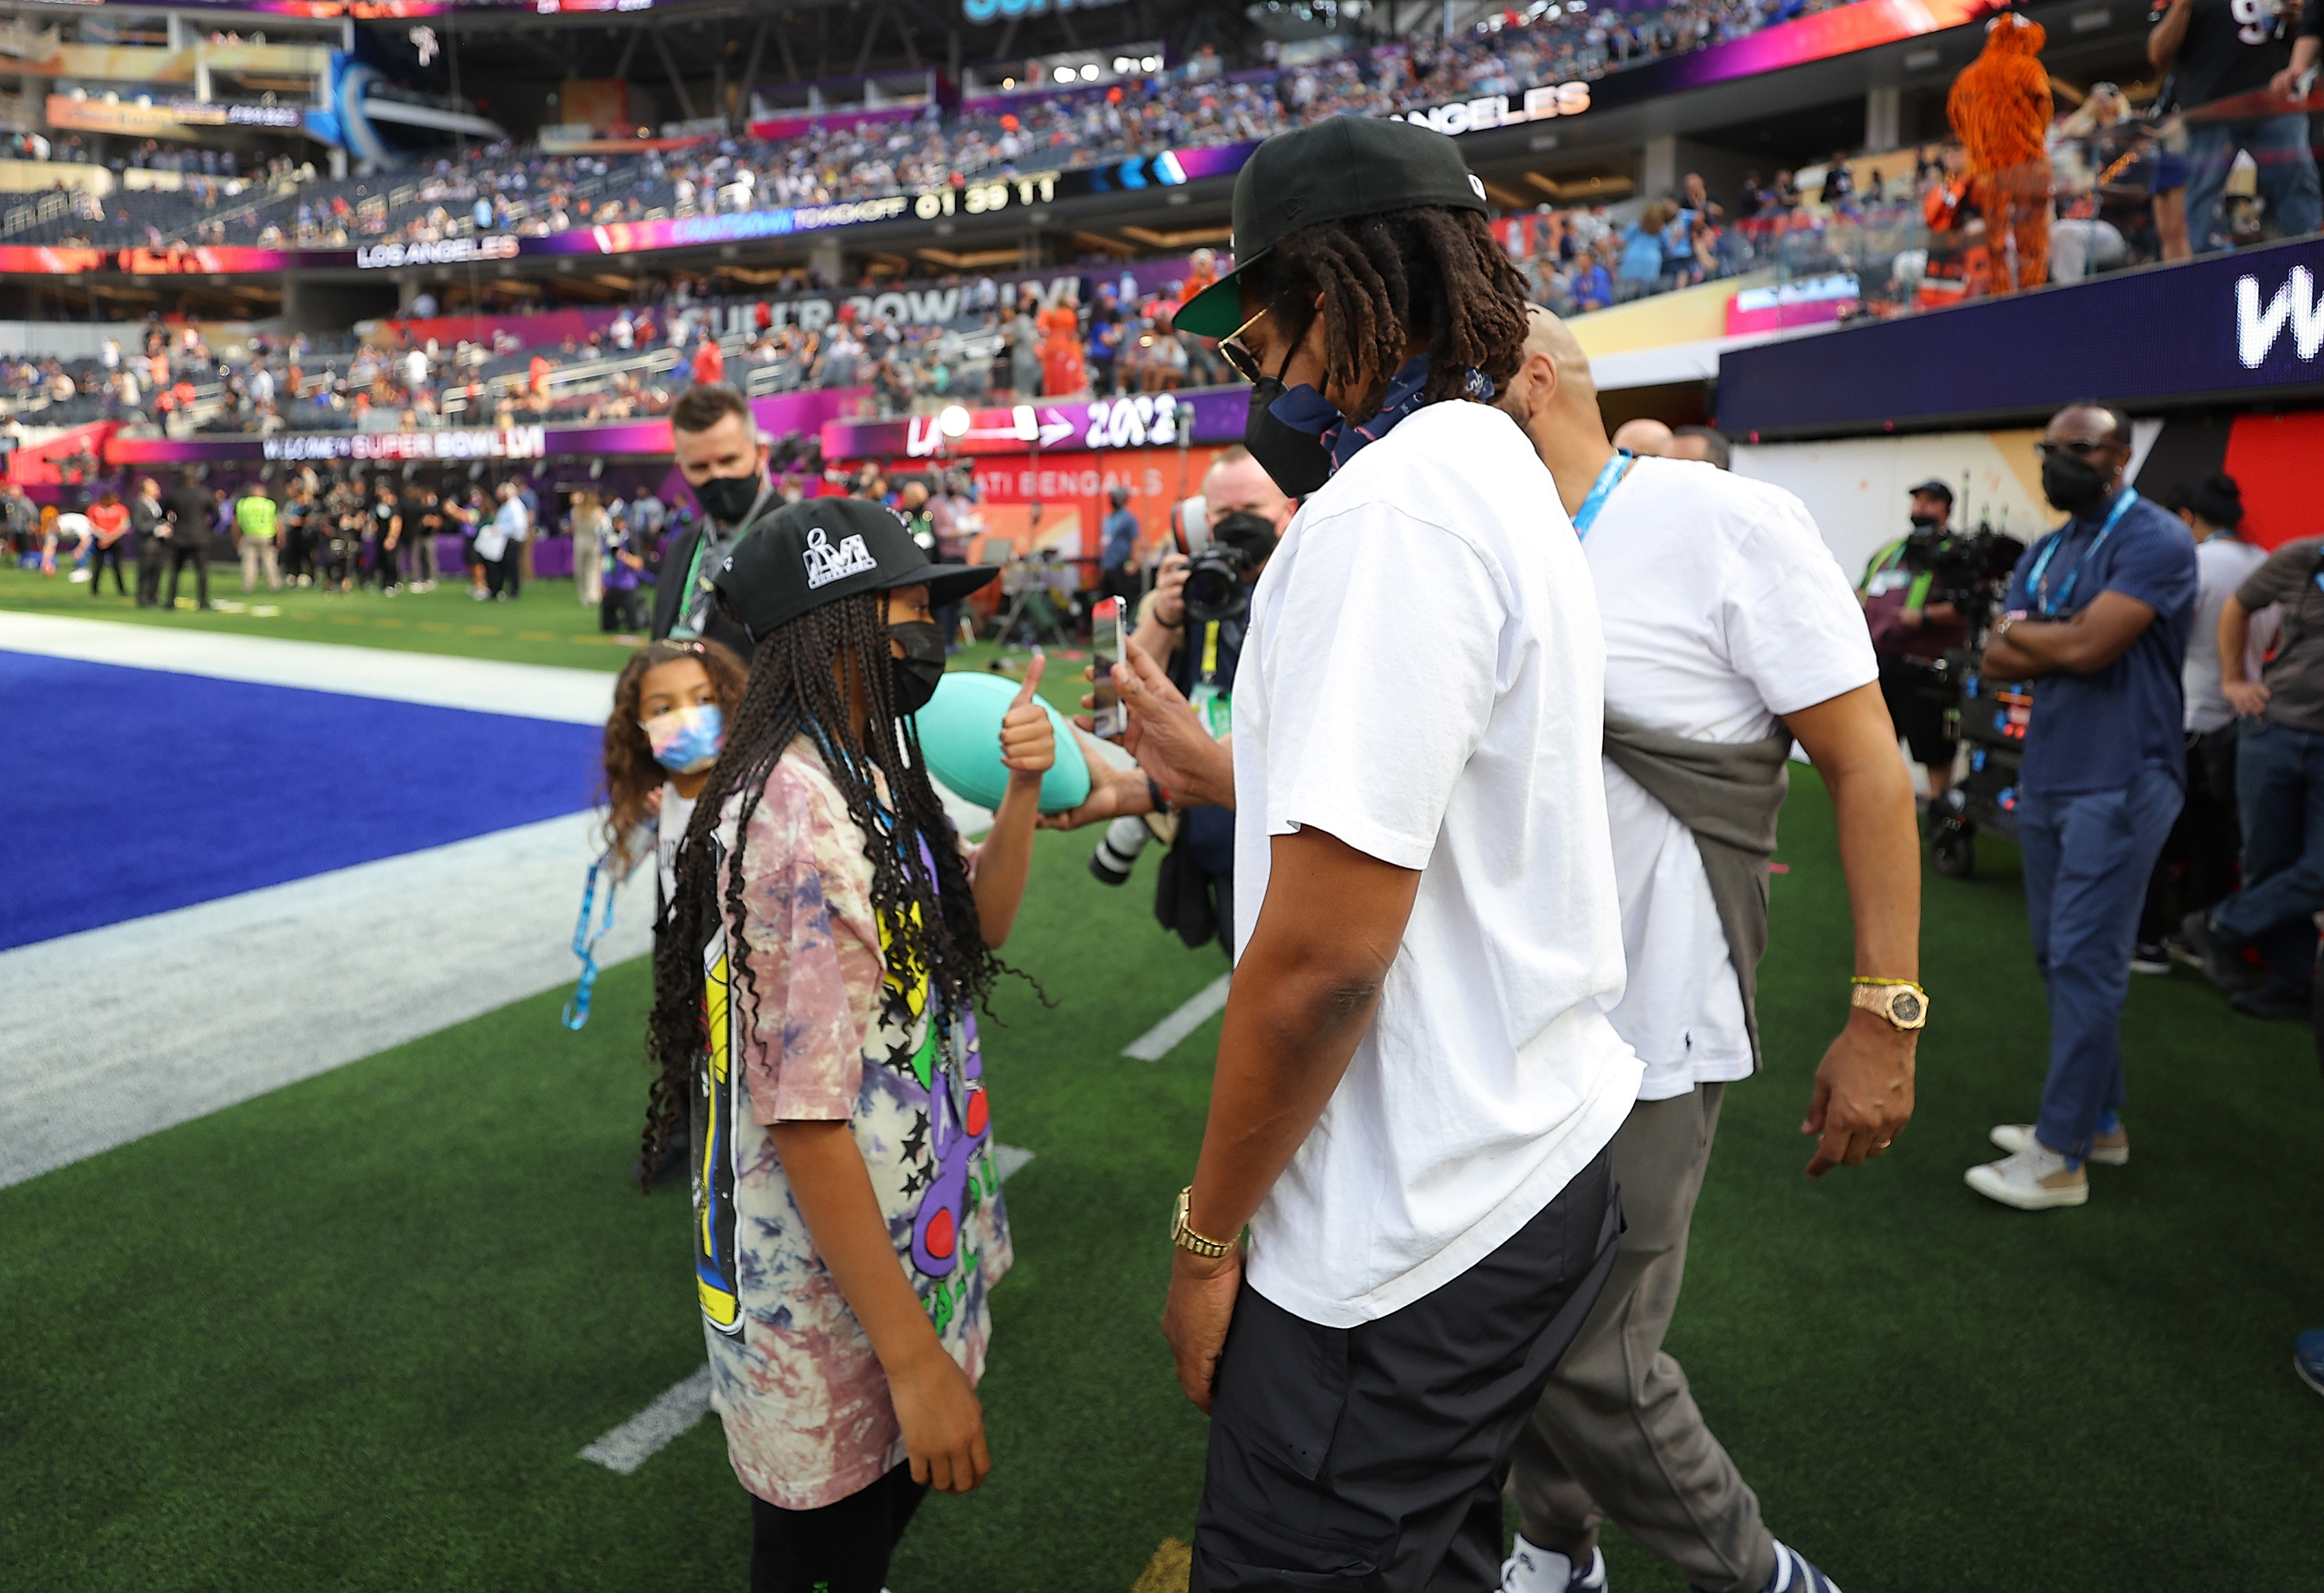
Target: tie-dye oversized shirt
x=807, y=1415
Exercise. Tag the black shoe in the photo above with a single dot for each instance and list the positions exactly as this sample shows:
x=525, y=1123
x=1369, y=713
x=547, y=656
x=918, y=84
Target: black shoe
x=2220, y=964
x=2272, y=1001
x=2148, y=957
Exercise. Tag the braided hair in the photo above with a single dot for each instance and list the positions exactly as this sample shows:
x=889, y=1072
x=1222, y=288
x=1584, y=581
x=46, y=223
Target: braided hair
x=803, y=676
x=1433, y=275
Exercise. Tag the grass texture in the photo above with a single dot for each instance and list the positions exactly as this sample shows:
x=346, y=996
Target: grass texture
x=351, y=1336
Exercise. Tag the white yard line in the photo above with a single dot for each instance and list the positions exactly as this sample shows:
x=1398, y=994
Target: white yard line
x=117, y=1032
x=528, y=691
x=679, y=1407
x=1160, y=1039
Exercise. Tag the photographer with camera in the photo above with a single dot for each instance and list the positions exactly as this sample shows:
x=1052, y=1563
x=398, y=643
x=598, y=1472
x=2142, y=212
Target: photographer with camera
x=2096, y=618
x=1194, y=625
x=1911, y=633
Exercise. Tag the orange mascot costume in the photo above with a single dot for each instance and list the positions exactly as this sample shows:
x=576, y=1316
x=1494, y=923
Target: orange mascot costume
x=2000, y=110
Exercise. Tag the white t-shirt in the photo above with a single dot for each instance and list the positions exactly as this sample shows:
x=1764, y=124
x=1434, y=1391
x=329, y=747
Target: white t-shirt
x=1423, y=679
x=670, y=828
x=2221, y=565
x=1722, y=610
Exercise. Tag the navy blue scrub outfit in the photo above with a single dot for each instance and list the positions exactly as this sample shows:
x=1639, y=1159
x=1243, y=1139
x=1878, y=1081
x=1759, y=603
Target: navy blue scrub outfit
x=2102, y=780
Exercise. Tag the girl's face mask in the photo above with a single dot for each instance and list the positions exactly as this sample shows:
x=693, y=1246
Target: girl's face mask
x=686, y=740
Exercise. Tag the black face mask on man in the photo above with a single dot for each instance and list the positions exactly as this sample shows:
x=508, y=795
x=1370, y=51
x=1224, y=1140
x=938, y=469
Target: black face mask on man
x=1298, y=461
x=2070, y=484
x=727, y=498
x=912, y=679
x=1924, y=523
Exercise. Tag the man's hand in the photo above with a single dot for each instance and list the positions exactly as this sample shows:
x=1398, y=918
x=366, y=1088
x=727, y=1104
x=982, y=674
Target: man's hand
x=1114, y=793
x=942, y=1422
x=1170, y=591
x=2247, y=698
x=1195, y=1317
x=1027, y=744
x=1863, y=1092
x=1169, y=738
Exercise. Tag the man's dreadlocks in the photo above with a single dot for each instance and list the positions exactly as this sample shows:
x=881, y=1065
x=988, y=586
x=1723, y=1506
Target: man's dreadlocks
x=1433, y=275
x=797, y=687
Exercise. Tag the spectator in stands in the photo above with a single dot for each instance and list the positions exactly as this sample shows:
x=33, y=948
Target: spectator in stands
x=1591, y=284
x=709, y=362
x=150, y=525
x=2279, y=783
x=255, y=528
x=1642, y=251
x=191, y=513
x=2097, y=617
x=2217, y=50
x=2200, y=857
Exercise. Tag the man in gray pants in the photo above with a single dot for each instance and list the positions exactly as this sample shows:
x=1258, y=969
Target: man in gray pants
x=1730, y=630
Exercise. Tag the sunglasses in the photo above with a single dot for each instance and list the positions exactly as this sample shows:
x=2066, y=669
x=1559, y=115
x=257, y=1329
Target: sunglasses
x=2083, y=449
x=1232, y=350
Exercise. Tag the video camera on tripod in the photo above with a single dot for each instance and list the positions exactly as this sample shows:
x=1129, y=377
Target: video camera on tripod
x=1968, y=571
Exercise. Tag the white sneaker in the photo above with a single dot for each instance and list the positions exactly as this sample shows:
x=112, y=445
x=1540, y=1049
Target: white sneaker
x=2033, y=1180
x=1532, y=1569
x=2112, y=1149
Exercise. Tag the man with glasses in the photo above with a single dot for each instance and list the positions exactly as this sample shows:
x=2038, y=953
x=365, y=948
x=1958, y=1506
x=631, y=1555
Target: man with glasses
x=2097, y=617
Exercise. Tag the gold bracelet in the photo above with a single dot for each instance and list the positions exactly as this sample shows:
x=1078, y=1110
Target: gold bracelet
x=1187, y=1238
x=1875, y=979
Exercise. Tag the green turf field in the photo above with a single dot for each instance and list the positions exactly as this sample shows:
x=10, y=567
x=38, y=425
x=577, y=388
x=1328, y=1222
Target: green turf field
x=351, y=1335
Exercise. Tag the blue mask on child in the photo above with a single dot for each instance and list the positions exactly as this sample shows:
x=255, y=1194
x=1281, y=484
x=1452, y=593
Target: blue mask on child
x=686, y=740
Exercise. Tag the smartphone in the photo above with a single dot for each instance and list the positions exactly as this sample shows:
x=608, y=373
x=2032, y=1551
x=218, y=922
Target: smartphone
x=1107, y=720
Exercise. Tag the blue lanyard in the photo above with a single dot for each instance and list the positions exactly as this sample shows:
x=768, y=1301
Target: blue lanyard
x=1586, y=515
x=2042, y=603
x=585, y=944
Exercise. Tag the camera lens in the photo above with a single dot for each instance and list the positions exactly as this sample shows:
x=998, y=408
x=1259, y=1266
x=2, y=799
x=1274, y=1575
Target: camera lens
x=1215, y=588
x=1117, y=851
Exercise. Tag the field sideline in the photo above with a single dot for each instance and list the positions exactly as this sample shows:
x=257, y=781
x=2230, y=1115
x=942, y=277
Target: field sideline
x=352, y=1335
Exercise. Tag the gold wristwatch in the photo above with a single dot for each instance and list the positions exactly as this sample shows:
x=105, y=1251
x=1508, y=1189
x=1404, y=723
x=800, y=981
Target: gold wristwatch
x=1187, y=1238
x=1900, y=1001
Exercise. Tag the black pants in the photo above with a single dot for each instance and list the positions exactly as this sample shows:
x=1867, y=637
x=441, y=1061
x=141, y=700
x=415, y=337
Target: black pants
x=841, y=1548
x=2198, y=866
x=199, y=558
x=620, y=611
x=388, y=564
x=153, y=559
x=497, y=572
x=1371, y=1459
x=100, y=555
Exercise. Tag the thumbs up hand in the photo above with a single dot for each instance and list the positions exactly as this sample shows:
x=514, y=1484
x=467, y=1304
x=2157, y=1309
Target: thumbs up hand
x=1028, y=746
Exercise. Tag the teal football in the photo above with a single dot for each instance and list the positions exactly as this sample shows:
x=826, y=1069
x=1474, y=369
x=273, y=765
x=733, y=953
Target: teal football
x=960, y=736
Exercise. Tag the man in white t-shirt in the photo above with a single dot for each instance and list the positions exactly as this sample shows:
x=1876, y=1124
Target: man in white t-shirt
x=1730, y=630
x=1417, y=1081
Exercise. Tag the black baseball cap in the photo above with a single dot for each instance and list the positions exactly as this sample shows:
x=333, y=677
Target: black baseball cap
x=1343, y=166
x=816, y=551
x=1934, y=487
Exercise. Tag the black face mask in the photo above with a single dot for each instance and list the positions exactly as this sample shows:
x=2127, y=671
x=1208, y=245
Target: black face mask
x=912, y=679
x=2069, y=483
x=1294, y=459
x=1924, y=523
x=727, y=498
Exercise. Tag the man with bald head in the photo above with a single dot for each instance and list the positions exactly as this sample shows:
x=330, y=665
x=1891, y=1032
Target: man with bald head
x=1730, y=630
x=1645, y=437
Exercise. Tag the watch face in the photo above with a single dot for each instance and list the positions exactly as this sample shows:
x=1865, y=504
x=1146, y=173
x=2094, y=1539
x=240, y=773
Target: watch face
x=1906, y=1006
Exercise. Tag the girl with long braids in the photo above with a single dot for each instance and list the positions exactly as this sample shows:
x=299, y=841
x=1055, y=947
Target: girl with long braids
x=817, y=977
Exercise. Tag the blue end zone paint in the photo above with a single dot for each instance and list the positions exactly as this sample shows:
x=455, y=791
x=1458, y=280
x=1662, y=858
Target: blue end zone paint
x=134, y=791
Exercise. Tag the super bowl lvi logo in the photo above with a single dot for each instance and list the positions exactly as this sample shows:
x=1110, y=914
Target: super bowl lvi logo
x=827, y=564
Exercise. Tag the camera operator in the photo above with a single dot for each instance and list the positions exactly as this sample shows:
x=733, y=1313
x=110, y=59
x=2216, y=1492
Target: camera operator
x=2096, y=618
x=1193, y=627
x=716, y=444
x=1729, y=631
x=1910, y=635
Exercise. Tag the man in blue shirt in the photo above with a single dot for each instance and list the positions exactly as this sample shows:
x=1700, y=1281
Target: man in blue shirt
x=1119, y=552
x=2097, y=616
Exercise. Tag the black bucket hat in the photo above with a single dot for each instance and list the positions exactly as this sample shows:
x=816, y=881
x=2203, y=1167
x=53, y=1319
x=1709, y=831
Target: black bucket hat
x=817, y=550
x=1329, y=171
